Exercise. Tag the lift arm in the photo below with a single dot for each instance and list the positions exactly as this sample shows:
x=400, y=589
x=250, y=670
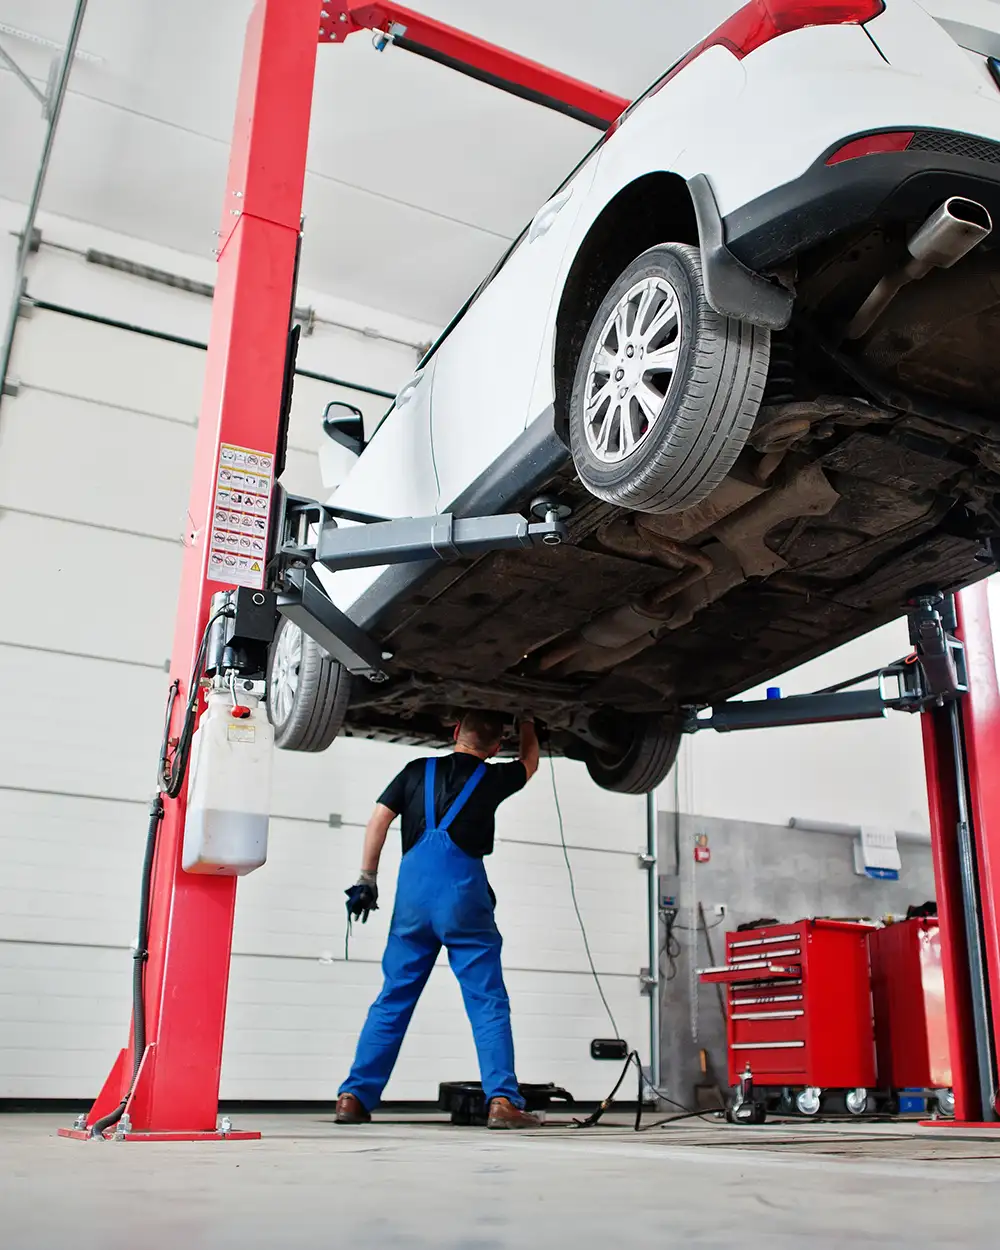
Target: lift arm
x=486, y=62
x=309, y=535
x=935, y=674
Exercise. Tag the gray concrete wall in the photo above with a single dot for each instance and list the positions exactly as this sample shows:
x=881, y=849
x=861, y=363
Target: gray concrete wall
x=757, y=871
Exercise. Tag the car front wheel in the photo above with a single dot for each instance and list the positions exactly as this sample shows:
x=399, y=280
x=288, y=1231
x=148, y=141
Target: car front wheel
x=666, y=389
x=307, y=691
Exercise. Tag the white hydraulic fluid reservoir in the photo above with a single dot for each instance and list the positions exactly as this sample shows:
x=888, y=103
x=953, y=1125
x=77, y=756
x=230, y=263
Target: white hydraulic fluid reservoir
x=229, y=789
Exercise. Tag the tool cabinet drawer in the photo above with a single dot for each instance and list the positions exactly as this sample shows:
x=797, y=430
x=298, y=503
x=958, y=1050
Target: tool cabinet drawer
x=787, y=1055
x=775, y=1026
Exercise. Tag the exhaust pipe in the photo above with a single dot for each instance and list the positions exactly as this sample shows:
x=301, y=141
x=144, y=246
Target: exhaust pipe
x=952, y=230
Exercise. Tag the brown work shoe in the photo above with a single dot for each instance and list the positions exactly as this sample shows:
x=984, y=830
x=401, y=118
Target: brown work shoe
x=503, y=1114
x=350, y=1110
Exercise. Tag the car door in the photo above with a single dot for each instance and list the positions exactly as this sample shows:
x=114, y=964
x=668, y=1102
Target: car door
x=486, y=366
x=393, y=477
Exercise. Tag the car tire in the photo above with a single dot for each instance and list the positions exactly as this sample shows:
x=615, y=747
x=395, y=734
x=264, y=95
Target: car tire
x=647, y=752
x=307, y=691
x=708, y=381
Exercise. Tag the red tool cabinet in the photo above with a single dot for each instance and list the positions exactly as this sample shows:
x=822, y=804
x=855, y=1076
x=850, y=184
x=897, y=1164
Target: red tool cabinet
x=911, y=1027
x=799, y=1008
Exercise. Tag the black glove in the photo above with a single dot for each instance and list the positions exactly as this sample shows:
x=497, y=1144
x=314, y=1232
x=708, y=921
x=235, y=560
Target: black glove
x=362, y=897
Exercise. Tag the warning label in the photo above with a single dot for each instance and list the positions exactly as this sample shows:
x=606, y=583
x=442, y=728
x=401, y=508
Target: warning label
x=240, y=517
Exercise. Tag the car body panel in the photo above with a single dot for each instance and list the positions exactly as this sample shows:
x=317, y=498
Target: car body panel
x=486, y=367
x=854, y=92
x=393, y=477
x=698, y=102
x=909, y=37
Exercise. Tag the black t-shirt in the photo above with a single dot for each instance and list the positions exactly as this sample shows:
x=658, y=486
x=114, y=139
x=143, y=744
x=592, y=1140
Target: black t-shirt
x=472, y=829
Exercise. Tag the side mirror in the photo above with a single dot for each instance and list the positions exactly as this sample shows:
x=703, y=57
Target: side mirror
x=345, y=425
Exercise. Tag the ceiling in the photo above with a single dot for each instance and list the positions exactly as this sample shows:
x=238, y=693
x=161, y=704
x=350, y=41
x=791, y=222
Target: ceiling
x=417, y=176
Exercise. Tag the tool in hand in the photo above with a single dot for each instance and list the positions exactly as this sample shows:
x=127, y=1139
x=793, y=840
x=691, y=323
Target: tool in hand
x=362, y=898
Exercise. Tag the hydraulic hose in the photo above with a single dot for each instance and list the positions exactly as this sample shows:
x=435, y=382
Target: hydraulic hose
x=139, y=957
x=173, y=767
x=170, y=776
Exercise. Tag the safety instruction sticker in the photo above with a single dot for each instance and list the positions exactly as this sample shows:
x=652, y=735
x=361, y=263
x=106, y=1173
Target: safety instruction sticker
x=241, y=516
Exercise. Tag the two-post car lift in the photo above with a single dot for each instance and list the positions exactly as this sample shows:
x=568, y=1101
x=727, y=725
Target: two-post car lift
x=167, y=1086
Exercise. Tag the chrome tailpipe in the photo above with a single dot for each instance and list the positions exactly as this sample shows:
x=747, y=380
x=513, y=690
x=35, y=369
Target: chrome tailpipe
x=952, y=230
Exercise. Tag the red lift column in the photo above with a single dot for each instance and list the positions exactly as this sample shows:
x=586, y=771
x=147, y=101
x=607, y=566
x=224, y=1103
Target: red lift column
x=191, y=917
x=961, y=747
x=175, y=1095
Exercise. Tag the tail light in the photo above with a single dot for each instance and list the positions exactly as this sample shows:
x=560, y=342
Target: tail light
x=760, y=21
x=763, y=20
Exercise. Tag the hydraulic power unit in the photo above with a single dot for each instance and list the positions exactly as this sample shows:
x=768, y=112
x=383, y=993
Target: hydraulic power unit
x=229, y=801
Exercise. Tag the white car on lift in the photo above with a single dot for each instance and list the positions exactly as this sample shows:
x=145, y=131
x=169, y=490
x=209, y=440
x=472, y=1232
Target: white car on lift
x=751, y=344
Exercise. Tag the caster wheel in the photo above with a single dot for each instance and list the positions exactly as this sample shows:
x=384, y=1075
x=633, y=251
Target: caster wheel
x=807, y=1101
x=856, y=1101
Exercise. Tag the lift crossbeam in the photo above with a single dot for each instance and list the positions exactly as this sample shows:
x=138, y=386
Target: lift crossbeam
x=486, y=62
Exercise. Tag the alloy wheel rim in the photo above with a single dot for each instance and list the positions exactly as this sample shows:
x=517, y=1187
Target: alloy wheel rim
x=285, y=672
x=632, y=370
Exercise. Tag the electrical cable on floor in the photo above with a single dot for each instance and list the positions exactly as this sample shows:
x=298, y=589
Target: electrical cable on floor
x=687, y=1113
x=576, y=905
x=633, y=1056
x=171, y=771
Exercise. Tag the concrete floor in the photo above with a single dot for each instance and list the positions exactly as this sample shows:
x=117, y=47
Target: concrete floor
x=413, y=1184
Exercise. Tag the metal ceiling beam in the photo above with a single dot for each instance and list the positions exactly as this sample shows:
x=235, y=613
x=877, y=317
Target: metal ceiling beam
x=9, y=61
x=55, y=103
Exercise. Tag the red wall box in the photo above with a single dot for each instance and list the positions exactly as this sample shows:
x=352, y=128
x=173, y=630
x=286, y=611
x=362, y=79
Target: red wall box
x=911, y=1027
x=799, y=1005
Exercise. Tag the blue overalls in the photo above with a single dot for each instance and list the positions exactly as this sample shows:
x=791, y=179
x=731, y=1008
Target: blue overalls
x=442, y=899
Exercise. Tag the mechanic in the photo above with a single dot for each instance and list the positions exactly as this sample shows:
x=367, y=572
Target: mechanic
x=442, y=899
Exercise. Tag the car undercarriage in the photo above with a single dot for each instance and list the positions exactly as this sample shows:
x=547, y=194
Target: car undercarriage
x=872, y=474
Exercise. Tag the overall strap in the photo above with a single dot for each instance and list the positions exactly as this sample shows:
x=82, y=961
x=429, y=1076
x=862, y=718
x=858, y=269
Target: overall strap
x=430, y=767
x=464, y=795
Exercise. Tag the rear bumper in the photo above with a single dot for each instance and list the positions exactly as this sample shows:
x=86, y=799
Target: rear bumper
x=896, y=186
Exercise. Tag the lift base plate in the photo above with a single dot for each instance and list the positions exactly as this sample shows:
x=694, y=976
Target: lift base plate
x=82, y=1134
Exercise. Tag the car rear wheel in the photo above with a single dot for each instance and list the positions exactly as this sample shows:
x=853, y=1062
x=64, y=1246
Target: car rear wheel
x=666, y=389
x=640, y=753
x=307, y=691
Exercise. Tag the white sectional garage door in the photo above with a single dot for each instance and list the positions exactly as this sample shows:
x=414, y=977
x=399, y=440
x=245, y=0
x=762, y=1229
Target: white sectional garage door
x=95, y=457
